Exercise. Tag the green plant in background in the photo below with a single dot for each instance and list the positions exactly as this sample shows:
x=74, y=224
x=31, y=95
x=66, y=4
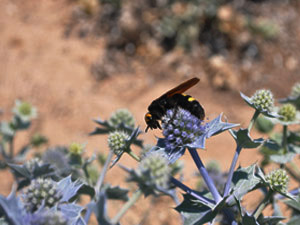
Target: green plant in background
x=265, y=28
x=23, y=114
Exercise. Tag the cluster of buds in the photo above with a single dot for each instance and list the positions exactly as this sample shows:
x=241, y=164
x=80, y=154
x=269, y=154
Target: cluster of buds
x=50, y=218
x=287, y=112
x=117, y=141
x=263, y=100
x=24, y=110
x=30, y=164
x=155, y=170
x=41, y=191
x=122, y=116
x=180, y=128
x=278, y=180
x=76, y=149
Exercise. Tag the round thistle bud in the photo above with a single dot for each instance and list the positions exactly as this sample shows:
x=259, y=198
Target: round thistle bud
x=76, y=149
x=121, y=116
x=57, y=157
x=263, y=100
x=30, y=164
x=24, y=110
x=155, y=169
x=278, y=180
x=41, y=191
x=296, y=90
x=37, y=140
x=180, y=128
x=50, y=218
x=288, y=112
x=117, y=141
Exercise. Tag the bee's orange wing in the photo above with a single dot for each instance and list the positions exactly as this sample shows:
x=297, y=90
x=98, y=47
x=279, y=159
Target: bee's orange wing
x=182, y=87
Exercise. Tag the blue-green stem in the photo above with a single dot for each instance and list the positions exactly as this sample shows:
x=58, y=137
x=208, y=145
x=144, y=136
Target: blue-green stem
x=254, y=117
x=207, y=179
x=11, y=148
x=284, y=139
x=103, y=173
x=89, y=211
x=128, y=204
x=185, y=188
x=236, y=156
x=231, y=170
x=263, y=204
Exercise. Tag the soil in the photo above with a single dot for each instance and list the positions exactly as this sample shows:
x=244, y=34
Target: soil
x=40, y=65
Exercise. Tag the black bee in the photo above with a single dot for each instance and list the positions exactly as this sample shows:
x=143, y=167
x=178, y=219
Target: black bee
x=173, y=99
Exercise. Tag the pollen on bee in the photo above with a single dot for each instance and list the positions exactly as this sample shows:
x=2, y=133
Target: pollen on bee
x=190, y=99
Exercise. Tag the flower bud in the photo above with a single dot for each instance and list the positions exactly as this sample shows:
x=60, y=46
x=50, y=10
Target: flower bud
x=288, y=112
x=263, y=100
x=50, y=218
x=37, y=140
x=41, y=191
x=296, y=90
x=30, y=164
x=76, y=149
x=24, y=110
x=156, y=169
x=47, y=217
x=117, y=141
x=278, y=180
x=122, y=116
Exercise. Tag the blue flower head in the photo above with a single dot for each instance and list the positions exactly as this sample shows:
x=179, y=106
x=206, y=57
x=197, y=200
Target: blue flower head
x=48, y=217
x=183, y=130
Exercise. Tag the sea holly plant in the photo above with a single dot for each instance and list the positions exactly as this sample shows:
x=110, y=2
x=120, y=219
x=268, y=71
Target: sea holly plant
x=43, y=202
x=48, y=186
x=23, y=114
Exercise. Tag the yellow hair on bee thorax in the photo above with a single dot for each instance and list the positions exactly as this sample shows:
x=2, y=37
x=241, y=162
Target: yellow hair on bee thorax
x=190, y=99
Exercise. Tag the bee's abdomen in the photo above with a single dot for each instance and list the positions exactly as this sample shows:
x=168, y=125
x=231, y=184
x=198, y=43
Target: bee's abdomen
x=189, y=103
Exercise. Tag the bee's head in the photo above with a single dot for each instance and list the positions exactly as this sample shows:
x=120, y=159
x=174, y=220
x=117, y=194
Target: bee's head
x=151, y=122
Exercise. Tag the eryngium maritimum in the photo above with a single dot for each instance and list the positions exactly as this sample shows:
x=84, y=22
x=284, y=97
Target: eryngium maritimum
x=278, y=180
x=288, y=112
x=180, y=128
x=117, y=141
x=296, y=90
x=155, y=170
x=49, y=218
x=122, y=116
x=41, y=191
x=24, y=110
x=30, y=164
x=263, y=100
